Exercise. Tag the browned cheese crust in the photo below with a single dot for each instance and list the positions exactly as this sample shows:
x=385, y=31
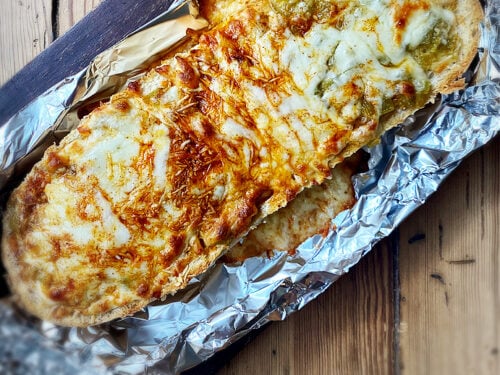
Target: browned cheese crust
x=307, y=215
x=155, y=185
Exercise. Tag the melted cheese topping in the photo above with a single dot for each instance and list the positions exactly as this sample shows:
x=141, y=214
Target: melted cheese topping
x=155, y=184
x=307, y=215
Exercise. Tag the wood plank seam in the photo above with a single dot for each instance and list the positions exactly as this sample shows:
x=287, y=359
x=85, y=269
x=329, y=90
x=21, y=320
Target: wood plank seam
x=394, y=241
x=55, y=19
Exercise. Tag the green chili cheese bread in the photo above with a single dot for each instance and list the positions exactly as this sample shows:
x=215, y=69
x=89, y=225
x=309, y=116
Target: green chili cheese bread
x=156, y=184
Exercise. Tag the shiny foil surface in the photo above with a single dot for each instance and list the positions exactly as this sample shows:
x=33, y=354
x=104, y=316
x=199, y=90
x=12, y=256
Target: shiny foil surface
x=230, y=300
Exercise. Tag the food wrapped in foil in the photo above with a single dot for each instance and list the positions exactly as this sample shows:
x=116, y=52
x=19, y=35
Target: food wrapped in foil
x=230, y=300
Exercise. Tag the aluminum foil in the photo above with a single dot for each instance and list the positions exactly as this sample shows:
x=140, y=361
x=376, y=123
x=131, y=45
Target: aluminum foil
x=230, y=300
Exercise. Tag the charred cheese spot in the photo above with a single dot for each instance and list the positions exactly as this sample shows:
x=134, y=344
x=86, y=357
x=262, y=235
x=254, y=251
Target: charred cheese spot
x=407, y=88
x=58, y=294
x=186, y=73
x=222, y=232
x=301, y=25
x=56, y=161
x=177, y=243
x=208, y=40
x=176, y=246
x=157, y=293
x=63, y=293
x=143, y=290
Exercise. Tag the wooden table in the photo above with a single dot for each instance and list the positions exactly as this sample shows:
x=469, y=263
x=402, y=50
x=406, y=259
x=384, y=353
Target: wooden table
x=425, y=301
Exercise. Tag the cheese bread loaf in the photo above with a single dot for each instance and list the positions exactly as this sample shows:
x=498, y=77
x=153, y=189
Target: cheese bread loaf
x=156, y=184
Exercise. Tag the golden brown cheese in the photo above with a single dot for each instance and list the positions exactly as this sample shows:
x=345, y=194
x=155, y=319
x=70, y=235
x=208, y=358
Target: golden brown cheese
x=154, y=186
x=309, y=214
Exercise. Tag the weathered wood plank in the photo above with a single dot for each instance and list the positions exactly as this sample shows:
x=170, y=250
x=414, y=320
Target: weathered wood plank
x=72, y=51
x=450, y=289
x=25, y=31
x=72, y=11
x=346, y=330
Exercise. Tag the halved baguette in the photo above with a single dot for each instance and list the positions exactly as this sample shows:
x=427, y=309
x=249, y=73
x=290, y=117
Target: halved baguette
x=157, y=184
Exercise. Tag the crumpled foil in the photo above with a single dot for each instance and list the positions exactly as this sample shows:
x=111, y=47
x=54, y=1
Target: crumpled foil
x=229, y=300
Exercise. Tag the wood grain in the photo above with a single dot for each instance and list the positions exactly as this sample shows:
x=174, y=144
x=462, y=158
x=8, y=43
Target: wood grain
x=73, y=51
x=346, y=330
x=25, y=31
x=69, y=12
x=449, y=267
